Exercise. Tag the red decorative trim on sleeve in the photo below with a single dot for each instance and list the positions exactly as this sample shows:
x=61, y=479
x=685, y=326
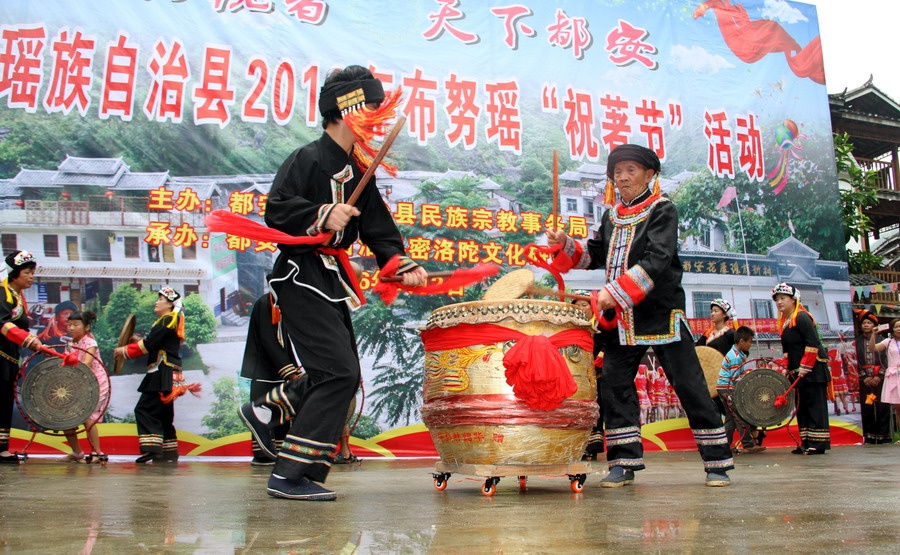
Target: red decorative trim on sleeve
x=630, y=288
x=809, y=357
x=134, y=350
x=16, y=334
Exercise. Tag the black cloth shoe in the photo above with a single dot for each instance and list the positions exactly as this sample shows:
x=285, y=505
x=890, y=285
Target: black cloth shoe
x=259, y=430
x=262, y=461
x=798, y=451
x=303, y=489
x=717, y=479
x=12, y=458
x=617, y=477
x=145, y=458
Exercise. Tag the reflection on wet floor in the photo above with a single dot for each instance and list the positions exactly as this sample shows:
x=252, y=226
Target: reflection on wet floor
x=848, y=500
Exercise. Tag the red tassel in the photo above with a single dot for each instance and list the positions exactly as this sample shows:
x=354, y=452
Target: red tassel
x=367, y=125
x=179, y=390
x=609, y=193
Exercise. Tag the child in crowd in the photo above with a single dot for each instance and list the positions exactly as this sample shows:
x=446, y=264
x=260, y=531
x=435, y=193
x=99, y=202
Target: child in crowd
x=731, y=368
x=83, y=342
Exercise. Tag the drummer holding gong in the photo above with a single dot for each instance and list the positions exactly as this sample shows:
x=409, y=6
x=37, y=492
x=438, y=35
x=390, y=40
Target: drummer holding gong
x=637, y=244
x=20, y=267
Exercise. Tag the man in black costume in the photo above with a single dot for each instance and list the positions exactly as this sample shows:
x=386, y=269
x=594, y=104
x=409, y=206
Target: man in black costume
x=313, y=285
x=637, y=245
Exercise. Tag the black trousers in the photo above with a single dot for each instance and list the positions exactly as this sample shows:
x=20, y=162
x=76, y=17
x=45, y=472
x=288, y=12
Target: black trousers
x=7, y=401
x=876, y=418
x=155, y=424
x=322, y=335
x=621, y=412
x=279, y=425
x=812, y=415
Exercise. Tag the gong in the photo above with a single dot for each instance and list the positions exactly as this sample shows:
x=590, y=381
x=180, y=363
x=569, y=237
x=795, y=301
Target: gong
x=57, y=397
x=754, y=398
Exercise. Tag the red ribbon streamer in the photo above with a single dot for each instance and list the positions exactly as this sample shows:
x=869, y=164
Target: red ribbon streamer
x=388, y=291
x=223, y=221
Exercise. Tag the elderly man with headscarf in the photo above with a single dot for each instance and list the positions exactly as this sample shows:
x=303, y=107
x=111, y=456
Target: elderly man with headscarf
x=644, y=301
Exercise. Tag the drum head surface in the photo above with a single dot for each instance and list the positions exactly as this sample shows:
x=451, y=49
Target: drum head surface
x=711, y=362
x=57, y=397
x=511, y=286
x=754, y=398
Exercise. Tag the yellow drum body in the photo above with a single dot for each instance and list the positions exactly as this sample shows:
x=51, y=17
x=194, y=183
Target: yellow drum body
x=472, y=413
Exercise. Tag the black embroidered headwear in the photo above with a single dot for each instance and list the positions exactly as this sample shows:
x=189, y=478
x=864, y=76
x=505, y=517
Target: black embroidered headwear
x=19, y=260
x=344, y=97
x=635, y=153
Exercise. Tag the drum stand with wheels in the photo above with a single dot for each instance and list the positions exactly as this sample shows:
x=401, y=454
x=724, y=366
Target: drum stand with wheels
x=576, y=472
x=54, y=398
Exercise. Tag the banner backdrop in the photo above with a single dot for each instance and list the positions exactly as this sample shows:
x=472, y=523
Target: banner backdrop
x=133, y=120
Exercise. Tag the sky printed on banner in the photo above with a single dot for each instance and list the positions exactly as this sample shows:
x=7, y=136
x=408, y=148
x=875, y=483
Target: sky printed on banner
x=695, y=66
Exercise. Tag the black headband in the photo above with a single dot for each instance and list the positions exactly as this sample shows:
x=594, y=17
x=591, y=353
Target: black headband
x=635, y=153
x=346, y=96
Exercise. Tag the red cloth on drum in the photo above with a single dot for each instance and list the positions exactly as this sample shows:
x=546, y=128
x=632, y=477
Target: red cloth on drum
x=534, y=366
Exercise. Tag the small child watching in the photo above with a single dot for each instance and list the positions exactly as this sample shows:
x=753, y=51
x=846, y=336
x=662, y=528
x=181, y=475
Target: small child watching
x=83, y=342
x=731, y=367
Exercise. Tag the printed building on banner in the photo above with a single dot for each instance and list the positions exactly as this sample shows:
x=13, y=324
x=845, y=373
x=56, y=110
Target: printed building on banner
x=94, y=225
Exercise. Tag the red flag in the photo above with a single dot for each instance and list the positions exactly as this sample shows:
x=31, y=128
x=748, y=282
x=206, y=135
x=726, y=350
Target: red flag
x=729, y=195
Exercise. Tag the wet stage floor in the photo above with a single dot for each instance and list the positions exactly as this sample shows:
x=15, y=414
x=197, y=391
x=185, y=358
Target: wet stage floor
x=847, y=501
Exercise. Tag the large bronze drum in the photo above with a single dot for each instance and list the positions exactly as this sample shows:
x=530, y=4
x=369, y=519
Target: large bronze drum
x=474, y=415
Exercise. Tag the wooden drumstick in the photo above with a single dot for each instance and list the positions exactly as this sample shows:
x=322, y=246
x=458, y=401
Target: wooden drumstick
x=554, y=216
x=395, y=279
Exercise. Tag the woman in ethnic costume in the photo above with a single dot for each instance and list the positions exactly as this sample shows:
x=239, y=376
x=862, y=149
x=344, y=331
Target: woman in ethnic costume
x=20, y=267
x=870, y=364
x=720, y=336
x=808, y=360
x=164, y=381
x=638, y=246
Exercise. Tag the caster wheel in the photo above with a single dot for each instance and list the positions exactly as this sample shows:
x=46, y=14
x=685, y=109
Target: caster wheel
x=490, y=487
x=576, y=483
x=440, y=481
